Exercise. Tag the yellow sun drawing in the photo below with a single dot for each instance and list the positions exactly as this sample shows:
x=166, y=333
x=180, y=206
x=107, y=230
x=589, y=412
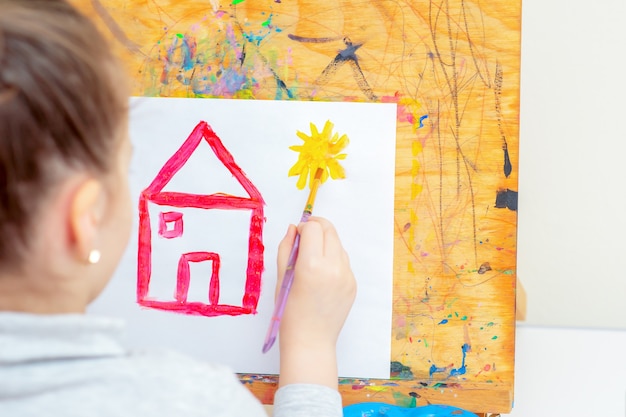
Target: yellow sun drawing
x=319, y=150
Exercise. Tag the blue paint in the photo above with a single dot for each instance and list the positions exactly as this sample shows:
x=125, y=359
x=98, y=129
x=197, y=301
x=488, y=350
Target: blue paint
x=187, y=54
x=256, y=39
x=387, y=410
x=435, y=369
x=422, y=120
x=444, y=321
x=461, y=370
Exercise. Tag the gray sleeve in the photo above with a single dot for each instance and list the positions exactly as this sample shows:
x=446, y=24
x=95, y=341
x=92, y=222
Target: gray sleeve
x=307, y=400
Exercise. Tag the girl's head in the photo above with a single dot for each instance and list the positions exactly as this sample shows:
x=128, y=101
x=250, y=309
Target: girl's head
x=64, y=155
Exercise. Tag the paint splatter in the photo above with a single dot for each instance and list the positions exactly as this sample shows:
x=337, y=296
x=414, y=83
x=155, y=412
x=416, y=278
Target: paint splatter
x=405, y=406
x=398, y=370
x=484, y=268
x=507, y=199
x=435, y=369
x=462, y=369
x=508, y=168
x=444, y=321
x=424, y=117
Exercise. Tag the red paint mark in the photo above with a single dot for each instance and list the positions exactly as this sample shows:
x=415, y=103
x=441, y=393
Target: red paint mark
x=144, y=259
x=182, y=282
x=154, y=194
x=410, y=339
x=486, y=368
x=173, y=218
x=390, y=99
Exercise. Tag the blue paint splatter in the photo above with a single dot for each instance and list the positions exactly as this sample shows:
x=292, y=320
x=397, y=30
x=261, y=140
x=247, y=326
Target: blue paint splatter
x=444, y=321
x=435, y=369
x=453, y=372
x=256, y=39
x=375, y=409
x=461, y=370
x=422, y=120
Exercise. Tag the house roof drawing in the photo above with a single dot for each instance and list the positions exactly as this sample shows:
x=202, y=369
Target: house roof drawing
x=154, y=192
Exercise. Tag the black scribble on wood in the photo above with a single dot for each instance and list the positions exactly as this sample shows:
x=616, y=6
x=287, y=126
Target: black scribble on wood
x=115, y=29
x=507, y=199
x=243, y=55
x=508, y=168
x=485, y=78
x=281, y=86
x=440, y=148
x=311, y=40
x=346, y=55
x=440, y=11
x=507, y=162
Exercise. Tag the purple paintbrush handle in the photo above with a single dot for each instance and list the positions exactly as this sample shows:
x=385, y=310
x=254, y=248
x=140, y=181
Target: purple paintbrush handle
x=281, y=301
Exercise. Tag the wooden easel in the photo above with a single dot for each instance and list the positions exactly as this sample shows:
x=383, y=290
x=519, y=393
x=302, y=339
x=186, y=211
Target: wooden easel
x=453, y=68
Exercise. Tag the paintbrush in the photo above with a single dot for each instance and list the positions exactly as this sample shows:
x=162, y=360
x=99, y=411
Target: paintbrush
x=318, y=156
x=281, y=301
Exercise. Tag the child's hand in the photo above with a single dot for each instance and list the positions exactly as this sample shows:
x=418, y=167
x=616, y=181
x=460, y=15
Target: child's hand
x=321, y=296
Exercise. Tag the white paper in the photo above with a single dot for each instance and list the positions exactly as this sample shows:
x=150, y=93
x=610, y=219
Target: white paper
x=258, y=135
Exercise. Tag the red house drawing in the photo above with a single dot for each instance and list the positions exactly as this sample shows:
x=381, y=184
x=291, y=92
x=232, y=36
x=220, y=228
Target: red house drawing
x=171, y=226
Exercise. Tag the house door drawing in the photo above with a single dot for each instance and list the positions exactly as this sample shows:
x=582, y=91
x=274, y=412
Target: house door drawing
x=166, y=217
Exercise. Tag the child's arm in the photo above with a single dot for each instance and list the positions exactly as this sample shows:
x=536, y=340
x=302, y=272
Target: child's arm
x=322, y=294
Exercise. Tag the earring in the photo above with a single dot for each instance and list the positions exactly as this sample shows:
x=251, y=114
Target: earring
x=94, y=256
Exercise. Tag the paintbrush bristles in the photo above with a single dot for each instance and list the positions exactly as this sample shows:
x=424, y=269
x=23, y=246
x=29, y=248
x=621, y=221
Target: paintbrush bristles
x=320, y=151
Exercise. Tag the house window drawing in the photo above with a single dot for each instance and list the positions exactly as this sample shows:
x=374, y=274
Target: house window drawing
x=172, y=222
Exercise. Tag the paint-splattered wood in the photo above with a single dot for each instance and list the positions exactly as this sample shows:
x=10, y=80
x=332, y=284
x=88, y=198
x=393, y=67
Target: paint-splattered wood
x=453, y=68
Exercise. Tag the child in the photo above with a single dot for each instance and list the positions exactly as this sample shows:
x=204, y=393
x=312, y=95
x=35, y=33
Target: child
x=65, y=217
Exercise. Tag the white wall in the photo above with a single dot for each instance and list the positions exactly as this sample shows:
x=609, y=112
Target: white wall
x=569, y=372
x=572, y=208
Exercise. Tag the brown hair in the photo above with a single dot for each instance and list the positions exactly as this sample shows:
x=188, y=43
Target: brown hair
x=59, y=106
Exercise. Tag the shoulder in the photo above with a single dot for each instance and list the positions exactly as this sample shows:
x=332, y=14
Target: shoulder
x=184, y=383
x=303, y=400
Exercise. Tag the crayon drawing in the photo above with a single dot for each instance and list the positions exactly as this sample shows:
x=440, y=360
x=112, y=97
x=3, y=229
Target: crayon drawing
x=452, y=67
x=170, y=226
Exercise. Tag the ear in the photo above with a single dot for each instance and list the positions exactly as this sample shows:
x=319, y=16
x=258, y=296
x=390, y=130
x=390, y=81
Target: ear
x=86, y=212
